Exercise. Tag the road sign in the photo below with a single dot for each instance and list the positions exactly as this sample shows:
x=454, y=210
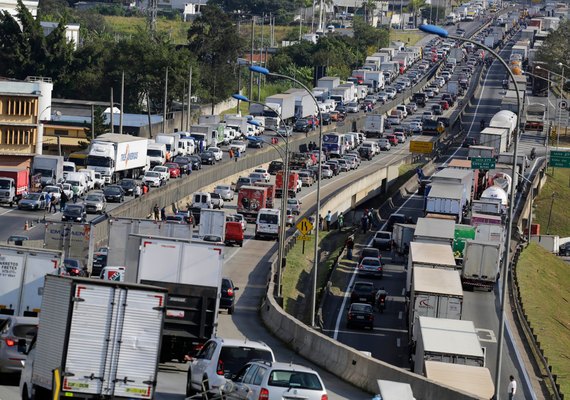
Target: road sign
x=304, y=226
x=440, y=128
x=482, y=163
x=563, y=104
x=418, y=146
x=303, y=237
x=560, y=159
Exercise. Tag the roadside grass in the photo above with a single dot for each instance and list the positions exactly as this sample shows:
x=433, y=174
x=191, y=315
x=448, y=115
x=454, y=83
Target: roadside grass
x=544, y=281
x=297, y=276
x=558, y=182
x=409, y=37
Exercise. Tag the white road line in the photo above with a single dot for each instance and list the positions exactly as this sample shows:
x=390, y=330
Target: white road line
x=400, y=314
x=403, y=291
x=398, y=342
x=7, y=211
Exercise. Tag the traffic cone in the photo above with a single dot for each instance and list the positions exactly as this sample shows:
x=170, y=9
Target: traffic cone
x=26, y=226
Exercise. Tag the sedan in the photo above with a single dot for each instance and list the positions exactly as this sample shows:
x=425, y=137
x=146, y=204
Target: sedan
x=363, y=292
x=74, y=267
x=352, y=107
x=327, y=119
x=344, y=165
x=382, y=96
x=95, y=203
x=54, y=191
x=302, y=125
x=33, y=201
x=208, y=157
x=391, y=92
x=128, y=186
x=415, y=126
x=152, y=178
x=370, y=266
x=173, y=169
x=184, y=163
x=225, y=192
x=12, y=330
x=360, y=314
x=196, y=162
x=227, y=299
x=294, y=205
x=382, y=240
x=264, y=172
x=256, y=177
x=115, y=193
x=163, y=171
x=238, y=145
x=218, y=153
x=75, y=213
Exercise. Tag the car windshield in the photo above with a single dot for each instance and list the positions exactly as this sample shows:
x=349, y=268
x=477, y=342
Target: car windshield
x=24, y=330
x=295, y=379
x=112, y=190
x=371, y=261
x=33, y=196
x=220, y=187
x=127, y=183
x=73, y=210
x=359, y=307
x=51, y=189
x=236, y=357
x=268, y=219
x=160, y=169
x=152, y=174
x=93, y=197
x=382, y=235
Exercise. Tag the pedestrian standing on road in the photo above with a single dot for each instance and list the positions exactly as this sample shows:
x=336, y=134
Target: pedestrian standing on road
x=137, y=191
x=62, y=201
x=75, y=190
x=48, y=201
x=53, y=205
x=512, y=387
x=328, y=218
x=320, y=222
x=364, y=223
x=144, y=188
x=156, y=212
x=231, y=153
x=349, y=247
x=163, y=214
x=237, y=154
x=340, y=222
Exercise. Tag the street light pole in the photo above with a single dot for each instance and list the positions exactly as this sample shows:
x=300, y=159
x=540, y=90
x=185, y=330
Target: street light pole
x=443, y=33
x=265, y=71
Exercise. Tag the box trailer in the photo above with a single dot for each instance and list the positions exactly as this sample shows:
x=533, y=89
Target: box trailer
x=435, y=293
x=456, y=176
x=374, y=125
x=447, y=340
x=495, y=137
x=471, y=379
x=446, y=199
x=329, y=82
x=14, y=182
x=212, y=225
x=432, y=230
x=402, y=235
x=429, y=255
x=481, y=264
x=192, y=275
x=102, y=336
x=22, y=274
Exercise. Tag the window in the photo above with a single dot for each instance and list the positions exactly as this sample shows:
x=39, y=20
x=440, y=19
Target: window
x=208, y=351
x=261, y=372
x=61, y=132
x=248, y=377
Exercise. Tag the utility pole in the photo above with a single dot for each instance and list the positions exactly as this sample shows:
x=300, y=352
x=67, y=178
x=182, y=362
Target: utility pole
x=111, y=114
x=251, y=58
x=165, y=97
x=188, y=113
x=122, y=102
x=92, y=121
x=151, y=15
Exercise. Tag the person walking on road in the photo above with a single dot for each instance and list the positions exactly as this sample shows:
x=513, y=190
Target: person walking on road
x=349, y=247
x=62, y=201
x=156, y=212
x=75, y=190
x=340, y=222
x=512, y=387
x=48, y=201
x=328, y=218
x=53, y=205
x=163, y=214
x=137, y=191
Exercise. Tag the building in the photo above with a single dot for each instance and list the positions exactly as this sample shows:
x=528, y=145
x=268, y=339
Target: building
x=71, y=31
x=23, y=105
x=10, y=6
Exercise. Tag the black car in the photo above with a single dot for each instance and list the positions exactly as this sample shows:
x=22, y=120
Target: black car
x=114, y=193
x=75, y=213
x=184, y=163
x=335, y=167
x=74, y=267
x=360, y=314
x=370, y=252
x=255, y=144
x=366, y=153
x=363, y=292
x=207, y=157
x=99, y=260
x=302, y=125
x=341, y=109
x=128, y=186
x=196, y=162
x=274, y=167
x=564, y=249
x=227, y=300
x=395, y=219
x=327, y=119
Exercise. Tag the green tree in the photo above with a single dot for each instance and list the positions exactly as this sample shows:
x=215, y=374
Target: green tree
x=415, y=7
x=367, y=38
x=99, y=124
x=556, y=49
x=214, y=40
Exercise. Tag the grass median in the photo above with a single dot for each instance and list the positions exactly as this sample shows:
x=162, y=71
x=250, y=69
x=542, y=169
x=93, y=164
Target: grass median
x=558, y=182
x=544, y=281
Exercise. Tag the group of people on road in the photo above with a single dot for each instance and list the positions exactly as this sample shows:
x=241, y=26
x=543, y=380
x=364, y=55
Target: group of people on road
x=235, y=154
x=367, y=220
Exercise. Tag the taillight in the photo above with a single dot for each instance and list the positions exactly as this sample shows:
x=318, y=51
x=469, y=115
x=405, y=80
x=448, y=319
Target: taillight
x=380, y=268
x=220, y=369
x=263, y=394
x=349, y=315
x=230, y=292
x=75, y=271
x=359, y=266
x=10, y=342
x=324, y=397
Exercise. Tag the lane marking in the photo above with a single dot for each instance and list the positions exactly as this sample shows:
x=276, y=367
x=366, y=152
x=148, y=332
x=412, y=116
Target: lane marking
x=398, y=342
x=400, y=314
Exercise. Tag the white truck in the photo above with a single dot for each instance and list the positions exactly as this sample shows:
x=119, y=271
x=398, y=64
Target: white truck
x=374, y=125
x=329, y=82
x=447, y=340
x=117, y=156
x=212, y=225
x=280, y=108
x=50, y=168
x=481, y=263
x=434, y=230
x=171, y=142
x=435, y=293
x=470, y=379
x=22, y=273
x=402, y=235
x=429, y=255
x=481, y=151
x=457, y=176
x=446, y=199
x=497, y=138
x=156, y=153
x=193, y=277
x=240, y=125
x=304, y=104
x=375, y=80
x=96, y=339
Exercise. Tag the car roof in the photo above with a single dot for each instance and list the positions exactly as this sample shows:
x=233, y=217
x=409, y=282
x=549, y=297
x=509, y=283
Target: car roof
x=242, y=342
x=288, y=366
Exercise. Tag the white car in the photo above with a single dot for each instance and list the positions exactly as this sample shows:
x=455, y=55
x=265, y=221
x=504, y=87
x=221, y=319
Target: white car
x=238, y=145
x=54, y=191
x=218, y=153
x=294, y=205
x=391, y=92
x=99, y=180
x=152, y=178
x=225, y=191
x=264, y=172
x=66, y=188
x=326, y=172
x=163, y=171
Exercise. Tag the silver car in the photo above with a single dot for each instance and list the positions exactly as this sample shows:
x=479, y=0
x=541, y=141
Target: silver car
x=225, y=191
x=14, y=331
x=275, y=381
x=33, y=201
x=95, y=203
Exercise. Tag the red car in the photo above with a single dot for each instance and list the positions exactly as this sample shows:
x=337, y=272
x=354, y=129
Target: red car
x=444, y=105
x=392, y=139
x=174, y=170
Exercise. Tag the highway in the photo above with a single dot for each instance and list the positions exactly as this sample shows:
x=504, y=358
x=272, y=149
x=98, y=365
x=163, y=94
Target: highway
x=247, y=268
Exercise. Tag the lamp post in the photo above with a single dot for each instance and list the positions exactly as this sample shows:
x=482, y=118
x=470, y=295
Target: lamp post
x=284, y=196
x=443, y=33
x=562, y=81
x=266, y=72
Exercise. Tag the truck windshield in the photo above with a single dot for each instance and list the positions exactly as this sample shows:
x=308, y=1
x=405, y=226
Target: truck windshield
x=97, y=161
x=268, y=219
x=154, y=153
x=43, y=172
x=4, y=184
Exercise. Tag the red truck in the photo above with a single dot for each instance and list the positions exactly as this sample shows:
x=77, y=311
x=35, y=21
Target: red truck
x=291, y=186
x=270, y=192
x=250, y=200
x=14, y=182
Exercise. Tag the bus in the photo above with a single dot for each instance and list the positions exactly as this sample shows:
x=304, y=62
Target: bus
x=334, y=144
x=79, y=158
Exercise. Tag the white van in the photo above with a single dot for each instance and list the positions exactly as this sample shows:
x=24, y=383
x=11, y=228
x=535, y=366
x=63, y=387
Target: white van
x=202, y=200
x=116, y=274
x=90, y=175
x=79, y=180
x=267, y=225
x=372, y=145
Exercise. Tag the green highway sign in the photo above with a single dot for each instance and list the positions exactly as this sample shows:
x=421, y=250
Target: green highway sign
x=482, y=163
x=560, y=159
